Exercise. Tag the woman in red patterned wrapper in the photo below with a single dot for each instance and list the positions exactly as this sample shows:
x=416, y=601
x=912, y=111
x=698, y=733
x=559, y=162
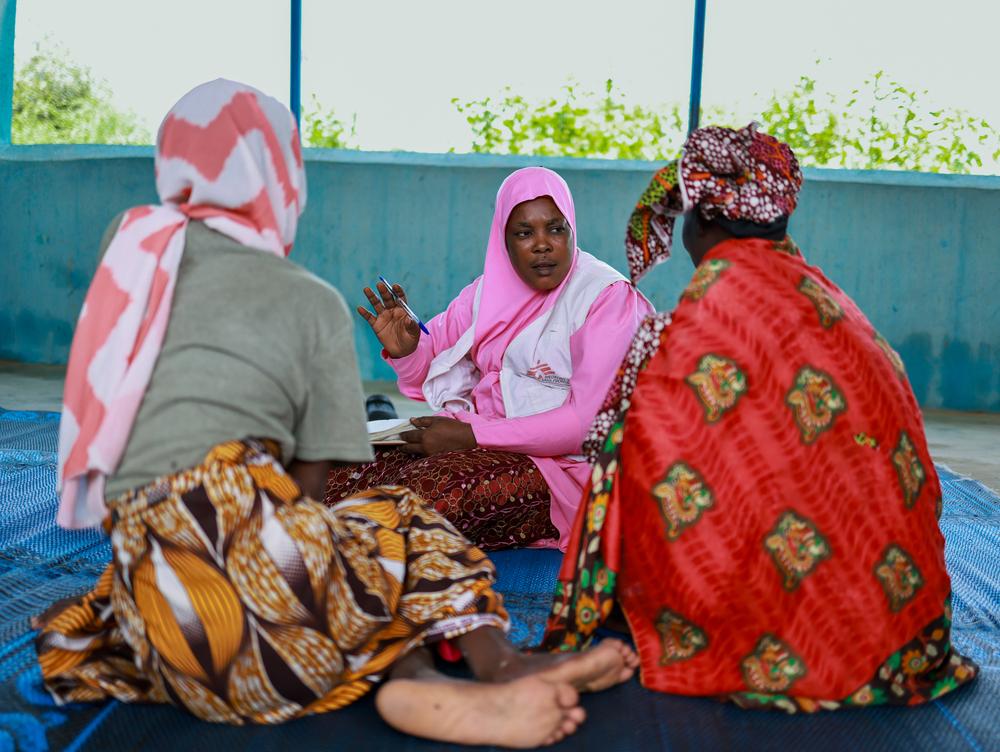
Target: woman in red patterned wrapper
x=763, y=507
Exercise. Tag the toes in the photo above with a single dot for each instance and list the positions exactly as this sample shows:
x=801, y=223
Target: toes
x=616, y=647
x=577, y=715
x=629, y=656
x=567, y=696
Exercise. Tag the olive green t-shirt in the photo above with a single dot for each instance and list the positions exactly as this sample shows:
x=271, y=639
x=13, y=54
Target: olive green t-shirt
x=256, y=347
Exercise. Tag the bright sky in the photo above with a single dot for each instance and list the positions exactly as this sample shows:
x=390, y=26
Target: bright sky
x=398, y=63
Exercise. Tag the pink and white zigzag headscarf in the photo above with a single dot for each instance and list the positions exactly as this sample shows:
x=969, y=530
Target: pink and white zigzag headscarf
x=226, y=154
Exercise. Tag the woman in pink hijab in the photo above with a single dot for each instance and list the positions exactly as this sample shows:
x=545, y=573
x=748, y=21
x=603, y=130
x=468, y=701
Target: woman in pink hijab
x=515, y=370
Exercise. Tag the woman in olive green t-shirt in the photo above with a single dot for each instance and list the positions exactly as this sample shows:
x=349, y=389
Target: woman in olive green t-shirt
x=201, y=445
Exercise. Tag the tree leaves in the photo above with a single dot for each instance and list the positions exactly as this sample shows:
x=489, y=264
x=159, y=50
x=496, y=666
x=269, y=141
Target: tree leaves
x=323, y=129
x=59, y=102
x=882, y=125
x=573, y=124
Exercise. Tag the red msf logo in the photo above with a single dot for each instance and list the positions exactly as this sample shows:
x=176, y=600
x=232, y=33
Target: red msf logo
x=539, y=371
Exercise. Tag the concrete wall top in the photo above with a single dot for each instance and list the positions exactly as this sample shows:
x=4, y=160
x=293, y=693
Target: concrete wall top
x=75, y=152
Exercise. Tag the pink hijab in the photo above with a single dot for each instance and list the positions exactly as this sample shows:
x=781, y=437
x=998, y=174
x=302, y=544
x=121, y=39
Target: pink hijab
x=226, y=154
x=508, y=304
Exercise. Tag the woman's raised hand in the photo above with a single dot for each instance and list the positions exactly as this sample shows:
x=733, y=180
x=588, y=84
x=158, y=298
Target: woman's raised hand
x=398, y=333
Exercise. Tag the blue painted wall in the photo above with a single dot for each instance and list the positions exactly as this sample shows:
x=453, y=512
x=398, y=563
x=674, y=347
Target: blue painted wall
x=919, y=253
x=7, y=16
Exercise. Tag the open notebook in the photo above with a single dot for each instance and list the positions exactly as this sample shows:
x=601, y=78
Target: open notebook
x=385, y=432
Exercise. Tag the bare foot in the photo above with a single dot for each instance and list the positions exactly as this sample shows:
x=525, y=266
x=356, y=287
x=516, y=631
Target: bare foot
x=609, y=663
x=630, y=657
x=525, y=713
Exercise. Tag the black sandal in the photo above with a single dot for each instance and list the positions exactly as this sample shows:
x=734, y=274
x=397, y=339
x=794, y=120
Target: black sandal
x=380, y=407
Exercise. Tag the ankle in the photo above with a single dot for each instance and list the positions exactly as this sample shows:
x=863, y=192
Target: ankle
x=504, y=669
x=489, y=653
x=417, y=664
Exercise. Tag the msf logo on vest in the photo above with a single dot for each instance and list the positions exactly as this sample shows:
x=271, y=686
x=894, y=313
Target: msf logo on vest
x=543, y=373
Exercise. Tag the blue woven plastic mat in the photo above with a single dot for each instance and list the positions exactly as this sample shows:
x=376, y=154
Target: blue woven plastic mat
x=40, y=563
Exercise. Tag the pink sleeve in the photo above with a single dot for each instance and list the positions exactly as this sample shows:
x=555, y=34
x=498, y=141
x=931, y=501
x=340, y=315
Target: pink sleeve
x=445, y=329
x=597, y=349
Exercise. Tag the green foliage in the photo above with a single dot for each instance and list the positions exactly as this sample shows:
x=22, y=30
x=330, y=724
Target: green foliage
x=59, y=102
x=573, y=124
x=321, y=128
x=882, y=126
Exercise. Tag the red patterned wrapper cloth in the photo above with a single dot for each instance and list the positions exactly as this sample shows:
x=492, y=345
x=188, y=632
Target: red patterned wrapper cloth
x=763, y=505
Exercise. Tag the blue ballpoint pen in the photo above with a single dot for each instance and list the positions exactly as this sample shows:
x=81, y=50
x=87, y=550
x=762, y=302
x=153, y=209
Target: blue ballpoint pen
x=402, y=303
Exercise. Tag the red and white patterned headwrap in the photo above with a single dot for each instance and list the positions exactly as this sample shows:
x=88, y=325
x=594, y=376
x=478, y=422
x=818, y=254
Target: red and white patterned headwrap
x=737, y=174
x=226, y=154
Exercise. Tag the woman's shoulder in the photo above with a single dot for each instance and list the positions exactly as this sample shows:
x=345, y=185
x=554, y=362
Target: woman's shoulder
x=593, y=268
x=109, y=233
x=467, y=299
x=215, y=261
x=310, y=290
x=471, y=289
x=618, y=302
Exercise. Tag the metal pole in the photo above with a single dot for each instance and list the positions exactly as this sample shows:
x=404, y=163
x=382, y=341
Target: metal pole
x=7, y=12
x=697, y=55
x=295, y=83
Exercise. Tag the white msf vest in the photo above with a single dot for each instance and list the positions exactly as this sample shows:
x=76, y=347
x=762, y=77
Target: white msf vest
x=536, y=367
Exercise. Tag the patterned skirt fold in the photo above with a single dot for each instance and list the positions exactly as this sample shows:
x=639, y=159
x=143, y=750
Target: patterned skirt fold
x=495, y=499
x=239, y=599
